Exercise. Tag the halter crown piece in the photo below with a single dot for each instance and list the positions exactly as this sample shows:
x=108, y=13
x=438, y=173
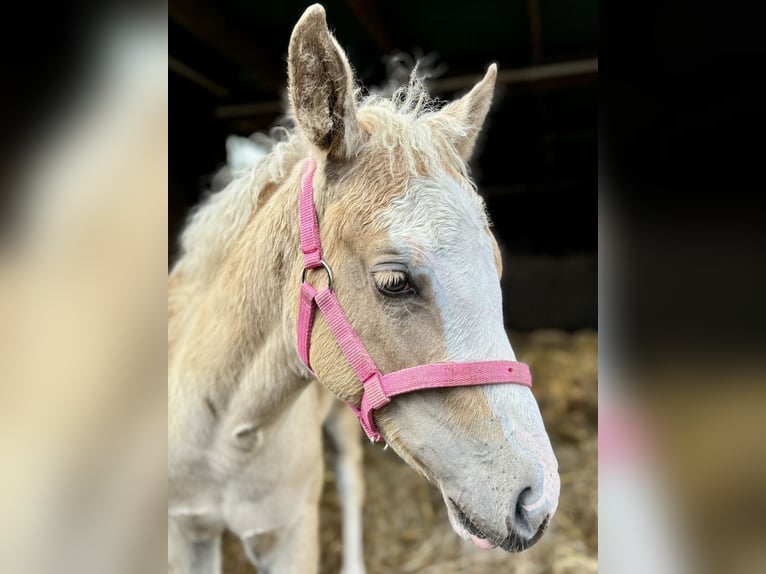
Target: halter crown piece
x=378, y=388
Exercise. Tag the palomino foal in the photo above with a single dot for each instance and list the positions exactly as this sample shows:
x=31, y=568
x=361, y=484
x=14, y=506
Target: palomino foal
x=416, y=270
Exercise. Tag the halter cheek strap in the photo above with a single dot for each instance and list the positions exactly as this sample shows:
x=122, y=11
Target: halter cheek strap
x=379, y=389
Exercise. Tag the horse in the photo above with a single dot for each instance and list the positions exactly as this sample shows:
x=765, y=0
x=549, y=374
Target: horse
x=411, y=260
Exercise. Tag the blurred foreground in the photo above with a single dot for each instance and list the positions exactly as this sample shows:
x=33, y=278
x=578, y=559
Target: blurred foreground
x=82, y=316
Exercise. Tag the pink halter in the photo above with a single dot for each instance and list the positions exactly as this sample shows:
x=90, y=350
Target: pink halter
x=378, y=388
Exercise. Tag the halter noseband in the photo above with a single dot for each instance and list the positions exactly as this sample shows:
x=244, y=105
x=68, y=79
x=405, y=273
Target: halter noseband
x=378, y=388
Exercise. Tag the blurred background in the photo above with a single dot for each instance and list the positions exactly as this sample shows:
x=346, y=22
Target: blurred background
x=536, y=166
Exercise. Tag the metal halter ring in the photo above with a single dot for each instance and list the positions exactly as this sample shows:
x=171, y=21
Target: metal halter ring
x=326, y=268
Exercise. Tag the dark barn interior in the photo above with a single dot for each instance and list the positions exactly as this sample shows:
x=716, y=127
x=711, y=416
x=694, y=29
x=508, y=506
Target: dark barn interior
x=537, y=169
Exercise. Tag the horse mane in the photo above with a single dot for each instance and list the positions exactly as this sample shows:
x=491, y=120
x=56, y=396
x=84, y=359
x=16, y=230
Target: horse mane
x=217, y=221
x=402, y=123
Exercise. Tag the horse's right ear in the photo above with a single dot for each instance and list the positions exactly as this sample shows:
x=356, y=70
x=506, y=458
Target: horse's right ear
x=321, y=86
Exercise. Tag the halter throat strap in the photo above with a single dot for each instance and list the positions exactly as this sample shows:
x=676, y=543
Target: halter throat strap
x=379, y=389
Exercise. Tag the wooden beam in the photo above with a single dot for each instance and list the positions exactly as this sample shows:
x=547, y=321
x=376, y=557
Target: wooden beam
x=251, y=109
x=535, y=31
x=559, y=74
x=529, y=74
x=227, y=37
x=197, y=78
x=375, y=18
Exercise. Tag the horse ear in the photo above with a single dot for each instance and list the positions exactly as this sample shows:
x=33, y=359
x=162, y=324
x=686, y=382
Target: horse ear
x=321, y=86
x=471, y=110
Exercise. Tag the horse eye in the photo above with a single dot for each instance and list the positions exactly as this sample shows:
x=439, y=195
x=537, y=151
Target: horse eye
x=393, y=283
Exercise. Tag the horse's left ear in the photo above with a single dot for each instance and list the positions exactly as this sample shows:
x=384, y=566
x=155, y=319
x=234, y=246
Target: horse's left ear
x=471, y=111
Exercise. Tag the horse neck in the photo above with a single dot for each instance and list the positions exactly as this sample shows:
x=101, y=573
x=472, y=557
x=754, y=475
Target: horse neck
x=231, y=331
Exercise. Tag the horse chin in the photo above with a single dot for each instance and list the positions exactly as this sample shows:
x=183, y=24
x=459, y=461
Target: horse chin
x=460, y=526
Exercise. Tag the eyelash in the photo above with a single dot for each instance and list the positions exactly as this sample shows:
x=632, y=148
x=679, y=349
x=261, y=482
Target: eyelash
x=384, y=280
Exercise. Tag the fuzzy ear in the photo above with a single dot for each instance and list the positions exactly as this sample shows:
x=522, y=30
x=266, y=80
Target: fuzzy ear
x=471, y=110
x=321, y=86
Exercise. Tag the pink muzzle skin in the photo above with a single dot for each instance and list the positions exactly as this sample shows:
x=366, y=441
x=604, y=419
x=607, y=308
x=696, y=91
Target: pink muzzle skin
x=379, y=389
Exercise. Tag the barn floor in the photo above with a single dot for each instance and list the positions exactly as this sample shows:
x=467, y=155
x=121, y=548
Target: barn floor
x=406, y=528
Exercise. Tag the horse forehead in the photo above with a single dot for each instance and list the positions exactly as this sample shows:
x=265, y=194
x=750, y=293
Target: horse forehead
x=436, y=213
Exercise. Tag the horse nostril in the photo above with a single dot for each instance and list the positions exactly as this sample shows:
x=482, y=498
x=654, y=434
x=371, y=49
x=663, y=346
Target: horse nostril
x=520, y=513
